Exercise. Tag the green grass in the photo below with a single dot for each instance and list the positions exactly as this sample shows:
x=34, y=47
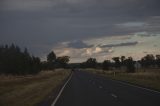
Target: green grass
x=29, y=90
x=149, y=79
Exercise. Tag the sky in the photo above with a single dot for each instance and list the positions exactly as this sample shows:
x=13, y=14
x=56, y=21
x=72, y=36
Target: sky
x=82, y=29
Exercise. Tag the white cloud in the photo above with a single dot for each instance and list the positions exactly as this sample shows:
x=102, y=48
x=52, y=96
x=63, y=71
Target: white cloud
x=139, y=50
x=132, y=24
x=97, y=50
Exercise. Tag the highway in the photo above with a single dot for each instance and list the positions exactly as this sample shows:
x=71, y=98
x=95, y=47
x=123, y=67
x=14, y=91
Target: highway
x=85, y=89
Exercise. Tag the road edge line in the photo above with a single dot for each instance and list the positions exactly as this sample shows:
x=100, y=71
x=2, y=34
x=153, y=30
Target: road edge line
x=136, y=86
x=127, y=83
x=60, y=92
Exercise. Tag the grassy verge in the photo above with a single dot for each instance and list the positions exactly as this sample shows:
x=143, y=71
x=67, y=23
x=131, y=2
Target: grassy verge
x=29, y=90
x=149, y=79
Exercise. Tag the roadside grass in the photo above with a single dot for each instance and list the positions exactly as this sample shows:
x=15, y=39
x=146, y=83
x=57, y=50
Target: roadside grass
x=150, y=78
x=31, y=89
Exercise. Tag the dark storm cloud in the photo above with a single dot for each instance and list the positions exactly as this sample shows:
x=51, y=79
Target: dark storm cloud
x=78, y=44
x=121, y=44
x=47, y=22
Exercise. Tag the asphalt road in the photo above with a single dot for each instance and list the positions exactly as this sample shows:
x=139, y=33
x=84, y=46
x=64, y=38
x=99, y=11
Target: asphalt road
x=86, y=89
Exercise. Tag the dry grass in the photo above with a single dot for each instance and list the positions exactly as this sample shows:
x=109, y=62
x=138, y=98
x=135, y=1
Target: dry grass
x=149, y=78
x=29, y=90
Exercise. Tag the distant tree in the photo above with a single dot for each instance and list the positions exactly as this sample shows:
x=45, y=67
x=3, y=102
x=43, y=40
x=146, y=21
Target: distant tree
x=143, y=62
x=91, y=63
x=36, y=65
x=148, y=61
x=63, y=61
x=106, y=64
x=158, y=60
x=117, y=61
x=130, y=65
x=122, y=60
x=26, y=52
x=51, y=57
x=83, y=65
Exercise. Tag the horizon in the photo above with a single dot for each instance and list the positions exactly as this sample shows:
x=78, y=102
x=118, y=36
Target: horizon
x=81, y=29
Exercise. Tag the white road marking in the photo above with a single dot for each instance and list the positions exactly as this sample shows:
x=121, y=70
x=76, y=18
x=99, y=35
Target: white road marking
x=113, y=95
x=54, y=102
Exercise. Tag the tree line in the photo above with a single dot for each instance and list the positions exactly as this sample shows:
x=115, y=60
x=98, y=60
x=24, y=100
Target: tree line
x=17, y=62
x=55, y=62
x=130, y=65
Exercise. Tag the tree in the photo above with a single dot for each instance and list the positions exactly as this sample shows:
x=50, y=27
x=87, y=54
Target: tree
x=51, y=57
x=36, y=65
x=122, y=60
x=91, y=63
x=148, y=61
x=106, y=64
x=63, y=61
x=158, y=60
x=13, y=61
x=117, y=61
x=26, y=52
x=130, y=65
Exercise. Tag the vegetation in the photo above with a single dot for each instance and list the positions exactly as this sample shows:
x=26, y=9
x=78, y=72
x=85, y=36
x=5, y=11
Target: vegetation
x=51, y=59
x=106, y=64
x=30, y=90
x=117, y=62
x=158, y=60
x=22, y=78
x=17, y=62
x=62, y=61
x=55, y=62
x=144, y=72
x=90, y=63
x=129, y=63
x=122, y=63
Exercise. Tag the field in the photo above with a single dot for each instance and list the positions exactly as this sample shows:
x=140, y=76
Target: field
x=150, y=78
x=31, y=89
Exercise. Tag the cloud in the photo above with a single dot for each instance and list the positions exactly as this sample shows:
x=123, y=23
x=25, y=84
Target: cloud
x=78, y=44
x=92, y=51
x=50, y=22
x=132, y=24
x=108, y=47
x=121, y=44
x=81, y=51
